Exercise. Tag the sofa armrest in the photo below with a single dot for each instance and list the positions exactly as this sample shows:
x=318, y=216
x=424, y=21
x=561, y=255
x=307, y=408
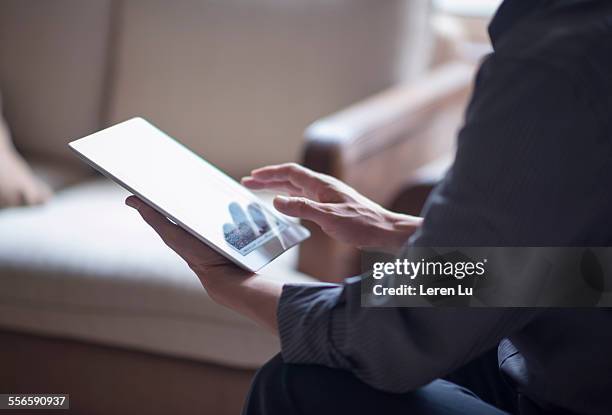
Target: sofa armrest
x=377, y=145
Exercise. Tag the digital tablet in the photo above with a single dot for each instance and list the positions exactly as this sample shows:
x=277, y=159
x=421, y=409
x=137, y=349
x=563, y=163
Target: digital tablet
x=190, y=192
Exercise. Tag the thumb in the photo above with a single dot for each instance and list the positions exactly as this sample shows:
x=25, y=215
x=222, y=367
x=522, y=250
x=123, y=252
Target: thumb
x=300, y=207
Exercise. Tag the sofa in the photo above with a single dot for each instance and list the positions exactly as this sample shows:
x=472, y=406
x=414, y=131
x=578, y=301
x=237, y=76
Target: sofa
x=91, y=302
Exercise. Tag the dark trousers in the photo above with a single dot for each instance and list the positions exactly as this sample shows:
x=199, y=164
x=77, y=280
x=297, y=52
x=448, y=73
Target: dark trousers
x=286, y=389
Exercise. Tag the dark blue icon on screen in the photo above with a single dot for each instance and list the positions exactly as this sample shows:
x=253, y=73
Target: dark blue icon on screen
x=246, y=226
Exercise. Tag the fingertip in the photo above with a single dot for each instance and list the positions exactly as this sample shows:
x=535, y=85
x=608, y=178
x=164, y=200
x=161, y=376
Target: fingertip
x=247, y=181
x=281, y=201
x=256, y=184
x=135, y=202
x=283, y=205
x=261, y=171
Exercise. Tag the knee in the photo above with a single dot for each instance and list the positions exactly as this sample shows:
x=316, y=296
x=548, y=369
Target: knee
x=281, y=388
x=268, y=376
x=266, y=393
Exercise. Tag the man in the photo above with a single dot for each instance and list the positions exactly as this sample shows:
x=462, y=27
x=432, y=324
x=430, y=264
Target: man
x=533, y=168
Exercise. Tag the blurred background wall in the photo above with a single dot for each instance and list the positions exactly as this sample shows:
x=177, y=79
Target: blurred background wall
x=235, y=80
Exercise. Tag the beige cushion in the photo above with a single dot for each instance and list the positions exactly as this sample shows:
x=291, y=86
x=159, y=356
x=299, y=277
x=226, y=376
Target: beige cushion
x=58, y=175
x=53, y=66
x=18, y=185
x=85, y=266
x=238, y=81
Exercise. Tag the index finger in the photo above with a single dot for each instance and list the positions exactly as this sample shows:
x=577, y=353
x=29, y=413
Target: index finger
x=297, y=175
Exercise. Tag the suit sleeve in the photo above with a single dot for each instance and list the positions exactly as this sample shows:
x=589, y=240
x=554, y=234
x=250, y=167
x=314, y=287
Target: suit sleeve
x=521, y=137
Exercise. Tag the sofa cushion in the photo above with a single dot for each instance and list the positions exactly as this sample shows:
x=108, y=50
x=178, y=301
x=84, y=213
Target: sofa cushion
x=85, y=266
x=18, y=185
x=53, y=71
x=58, y=175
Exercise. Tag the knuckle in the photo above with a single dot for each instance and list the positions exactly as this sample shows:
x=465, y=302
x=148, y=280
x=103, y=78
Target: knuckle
x=294, y=169
x=148, y=216
x=325, y=178
x=302, y=204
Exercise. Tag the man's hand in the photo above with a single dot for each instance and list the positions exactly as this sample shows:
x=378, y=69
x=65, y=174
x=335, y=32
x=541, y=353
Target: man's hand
x=226, y=283
x=338, y=209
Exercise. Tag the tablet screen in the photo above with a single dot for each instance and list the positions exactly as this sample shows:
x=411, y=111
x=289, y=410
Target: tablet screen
x=190, y=191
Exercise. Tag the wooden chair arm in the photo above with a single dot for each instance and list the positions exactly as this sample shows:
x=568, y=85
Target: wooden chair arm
x=407, y=114
x=378, y=145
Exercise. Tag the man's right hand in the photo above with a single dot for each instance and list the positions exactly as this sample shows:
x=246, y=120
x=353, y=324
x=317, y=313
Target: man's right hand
x=338, y=209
